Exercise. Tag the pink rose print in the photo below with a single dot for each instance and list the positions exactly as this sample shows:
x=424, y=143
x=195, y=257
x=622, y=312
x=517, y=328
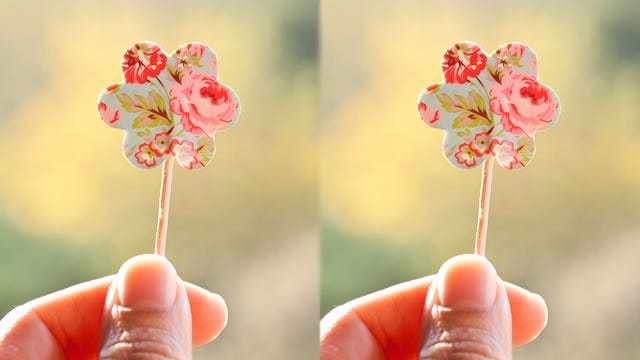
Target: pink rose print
x=107, y=115
x=141, y=61
x=461, y=61
x=184, y=153
x=465, y=155
x=169, y=105
x=205, y=104
x=504, y=153
x=190, y=55
x=509, y=54
x=489, y=105
x=525, y=104
x=427, y=115
x=145, y=155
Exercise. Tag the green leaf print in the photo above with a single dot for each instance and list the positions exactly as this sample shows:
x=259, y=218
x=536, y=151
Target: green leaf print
x=525, y=148
x=471, y=110
x=151, y=110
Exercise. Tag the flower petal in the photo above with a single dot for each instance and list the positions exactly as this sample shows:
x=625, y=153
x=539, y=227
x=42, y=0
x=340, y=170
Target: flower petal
x=523, y=147
x=141, y=61
x=142, y=112
x=462, y=61
x=192, y=56
x=184, y=144
x=454, y=106
x=460, y=150
x=512, y=56
x=139, y=150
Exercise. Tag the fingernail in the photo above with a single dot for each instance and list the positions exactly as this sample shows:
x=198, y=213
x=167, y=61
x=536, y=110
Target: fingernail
x=467, y=283
x=147, y=283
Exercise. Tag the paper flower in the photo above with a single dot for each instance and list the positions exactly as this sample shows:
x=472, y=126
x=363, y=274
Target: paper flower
x=489, y=105
x=169, y=105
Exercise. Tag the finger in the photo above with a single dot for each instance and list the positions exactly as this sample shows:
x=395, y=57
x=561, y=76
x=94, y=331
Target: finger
x=467, y=313
x=71, y=318
x=146, y=314
x=528, y=314
x=390, y=319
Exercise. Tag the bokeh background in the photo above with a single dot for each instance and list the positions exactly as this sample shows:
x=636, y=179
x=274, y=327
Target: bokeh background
x=567, y=226
x=72, y=208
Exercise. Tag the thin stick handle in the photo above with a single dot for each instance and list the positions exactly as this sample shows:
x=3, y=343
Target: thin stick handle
x=483, y=211
x=163, y=211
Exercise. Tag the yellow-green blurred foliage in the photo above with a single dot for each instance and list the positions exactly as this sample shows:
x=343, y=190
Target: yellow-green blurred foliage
x=567, y=226
x=72, y=208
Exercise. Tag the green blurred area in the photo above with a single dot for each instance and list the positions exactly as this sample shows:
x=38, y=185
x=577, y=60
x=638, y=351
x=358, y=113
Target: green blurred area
x=73, y=209
x=567, y=226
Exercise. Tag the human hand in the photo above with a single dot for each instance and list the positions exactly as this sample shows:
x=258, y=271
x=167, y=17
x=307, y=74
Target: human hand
x=145, y=311
x=463, y=312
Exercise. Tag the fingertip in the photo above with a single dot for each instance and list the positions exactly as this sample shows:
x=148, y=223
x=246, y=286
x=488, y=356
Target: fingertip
x=529, y=314
x=538, y=316
x=147, y=282
x=209, y=314
x=467, y=282
x=221, y=314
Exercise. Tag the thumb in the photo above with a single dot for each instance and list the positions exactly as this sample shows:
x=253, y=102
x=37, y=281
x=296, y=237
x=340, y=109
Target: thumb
x=467, y=313
x=146, y=313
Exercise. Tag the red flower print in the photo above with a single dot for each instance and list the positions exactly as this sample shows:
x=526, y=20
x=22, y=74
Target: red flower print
x=427, y=115
x=465, y=155
x=145, y=155
x=505, y=153
x=461, y=61
x=107, y=115
x=184, y=153
x=481, y=143
x=433, y=88
x=525, y=104
x=205, y=104
x=141, y=61
x=161, y=143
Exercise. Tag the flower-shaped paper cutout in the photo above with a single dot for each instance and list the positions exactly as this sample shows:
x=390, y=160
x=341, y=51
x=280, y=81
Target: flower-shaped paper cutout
x=489, y=105
x=169, y=105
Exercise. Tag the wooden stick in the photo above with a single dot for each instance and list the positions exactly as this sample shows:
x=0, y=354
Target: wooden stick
x=483, y=211
x=163, y=211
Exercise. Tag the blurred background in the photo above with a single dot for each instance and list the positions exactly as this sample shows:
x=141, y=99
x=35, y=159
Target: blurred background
x=391, y=207
x=567, y=226
x=72, y=208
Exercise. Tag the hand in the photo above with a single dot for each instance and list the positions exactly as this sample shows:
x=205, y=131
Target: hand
x=144, y=311
x=463, y=312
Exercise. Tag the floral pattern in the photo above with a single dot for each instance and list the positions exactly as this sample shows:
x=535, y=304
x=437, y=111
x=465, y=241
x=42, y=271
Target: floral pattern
x=489, y=105
x=169, y=105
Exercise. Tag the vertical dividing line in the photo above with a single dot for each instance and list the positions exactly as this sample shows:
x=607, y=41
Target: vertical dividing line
x=163, y=211
x=483, y=211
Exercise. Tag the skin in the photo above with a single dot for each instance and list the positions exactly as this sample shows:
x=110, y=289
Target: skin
x=409, y=321
x=428, y=318
x=90, y=321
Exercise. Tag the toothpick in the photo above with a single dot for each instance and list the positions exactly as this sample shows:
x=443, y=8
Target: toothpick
x=163, y=211
x=483, y=211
